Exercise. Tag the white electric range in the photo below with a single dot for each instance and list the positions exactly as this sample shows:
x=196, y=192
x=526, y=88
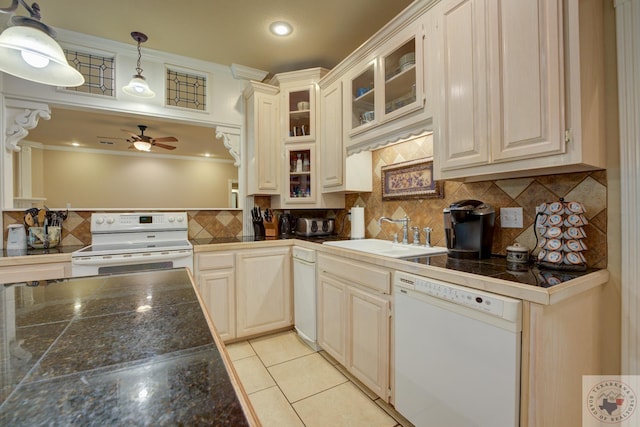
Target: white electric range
x=128, y=242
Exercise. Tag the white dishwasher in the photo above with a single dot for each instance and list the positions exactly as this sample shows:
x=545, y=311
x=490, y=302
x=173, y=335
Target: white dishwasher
x=457, y=354
x=305, y=295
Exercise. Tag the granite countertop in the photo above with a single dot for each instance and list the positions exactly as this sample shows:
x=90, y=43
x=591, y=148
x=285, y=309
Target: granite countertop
x=131, y=349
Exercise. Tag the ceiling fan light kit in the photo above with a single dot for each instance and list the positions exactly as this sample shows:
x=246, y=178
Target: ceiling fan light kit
x=138, y=86
x=28, y=50
x=144, y=142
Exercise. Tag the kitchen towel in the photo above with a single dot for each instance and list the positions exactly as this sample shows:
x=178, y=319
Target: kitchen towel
x=357, y=222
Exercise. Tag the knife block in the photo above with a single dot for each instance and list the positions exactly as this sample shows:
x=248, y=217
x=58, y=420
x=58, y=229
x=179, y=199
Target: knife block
x=270, y=229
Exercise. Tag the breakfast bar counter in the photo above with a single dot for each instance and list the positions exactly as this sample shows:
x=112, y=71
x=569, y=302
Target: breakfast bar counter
x=135, y=349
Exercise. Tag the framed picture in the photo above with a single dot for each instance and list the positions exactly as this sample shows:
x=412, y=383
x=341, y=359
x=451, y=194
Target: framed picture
x=410, y=180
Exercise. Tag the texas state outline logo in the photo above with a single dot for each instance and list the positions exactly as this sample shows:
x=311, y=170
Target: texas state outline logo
x=610, y=400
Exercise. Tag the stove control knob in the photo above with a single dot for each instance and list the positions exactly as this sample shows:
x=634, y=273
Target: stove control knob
x=171, y=219
x=180, y=219
x=99, y=220
x=110, y=220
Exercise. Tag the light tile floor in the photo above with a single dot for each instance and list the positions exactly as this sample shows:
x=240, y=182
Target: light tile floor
x=289, y=384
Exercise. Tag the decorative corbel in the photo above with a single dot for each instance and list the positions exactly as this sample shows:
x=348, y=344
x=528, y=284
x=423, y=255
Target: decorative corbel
x=231, y=140
x=24, y=120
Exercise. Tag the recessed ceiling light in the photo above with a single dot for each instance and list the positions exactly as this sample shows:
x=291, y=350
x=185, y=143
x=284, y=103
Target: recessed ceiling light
x=75, y=144
x=281, y=28
x=207, y=155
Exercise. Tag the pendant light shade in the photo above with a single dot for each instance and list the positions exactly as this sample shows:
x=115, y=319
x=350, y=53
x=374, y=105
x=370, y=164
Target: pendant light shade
x=138, y=86
x=28, y=51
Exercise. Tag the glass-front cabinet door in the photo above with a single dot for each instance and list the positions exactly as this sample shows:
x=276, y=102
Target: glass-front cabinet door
x=390, y=85
x=300, y=115
x=400, y=79
x=301, y=175
x=363, y=97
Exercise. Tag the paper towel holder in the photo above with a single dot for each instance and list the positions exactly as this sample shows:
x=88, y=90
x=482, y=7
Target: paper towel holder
x=357, y=222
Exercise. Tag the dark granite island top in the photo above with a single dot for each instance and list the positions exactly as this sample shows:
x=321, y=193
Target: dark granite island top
x=131, y=349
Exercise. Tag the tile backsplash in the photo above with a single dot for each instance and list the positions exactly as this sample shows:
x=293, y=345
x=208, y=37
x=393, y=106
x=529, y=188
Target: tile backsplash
x=204, y=224
x=590, y=188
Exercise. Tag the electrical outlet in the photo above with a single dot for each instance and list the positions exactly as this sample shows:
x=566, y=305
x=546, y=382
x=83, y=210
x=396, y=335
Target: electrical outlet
x=511, y=217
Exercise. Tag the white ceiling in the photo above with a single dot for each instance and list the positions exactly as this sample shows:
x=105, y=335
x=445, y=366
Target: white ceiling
x=220, y=31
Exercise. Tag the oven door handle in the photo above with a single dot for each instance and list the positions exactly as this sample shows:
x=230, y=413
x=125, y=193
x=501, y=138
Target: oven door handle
x=130, y=258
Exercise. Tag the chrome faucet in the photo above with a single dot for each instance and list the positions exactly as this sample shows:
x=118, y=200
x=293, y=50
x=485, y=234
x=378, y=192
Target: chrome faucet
x=427, y=236
x=405, y=226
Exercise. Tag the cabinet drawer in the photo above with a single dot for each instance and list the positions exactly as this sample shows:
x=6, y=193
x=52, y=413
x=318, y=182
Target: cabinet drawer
x=212, y=261
x=28, y=273
x=356, y=272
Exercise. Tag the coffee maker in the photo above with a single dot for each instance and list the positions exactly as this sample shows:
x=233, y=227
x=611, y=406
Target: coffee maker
x=468, y=227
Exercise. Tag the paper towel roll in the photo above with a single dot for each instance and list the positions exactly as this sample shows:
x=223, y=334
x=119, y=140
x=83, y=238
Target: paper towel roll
x=357, y=222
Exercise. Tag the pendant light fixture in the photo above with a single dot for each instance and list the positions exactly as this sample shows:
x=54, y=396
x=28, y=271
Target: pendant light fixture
x=138, y=85
x=28, y=50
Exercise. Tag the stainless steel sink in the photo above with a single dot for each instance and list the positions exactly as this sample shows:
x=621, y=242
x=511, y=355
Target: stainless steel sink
x=387, y=248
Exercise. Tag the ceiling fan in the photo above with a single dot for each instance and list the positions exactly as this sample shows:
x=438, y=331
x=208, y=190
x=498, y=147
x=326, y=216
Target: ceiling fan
x=144, y=142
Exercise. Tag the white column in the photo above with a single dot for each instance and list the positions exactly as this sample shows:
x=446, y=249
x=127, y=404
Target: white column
x=628, y=49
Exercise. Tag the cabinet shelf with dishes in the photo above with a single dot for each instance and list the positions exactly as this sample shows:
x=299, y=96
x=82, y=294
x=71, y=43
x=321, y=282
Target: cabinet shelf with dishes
x=301, y=175
x=300, y=126
x=385, y=91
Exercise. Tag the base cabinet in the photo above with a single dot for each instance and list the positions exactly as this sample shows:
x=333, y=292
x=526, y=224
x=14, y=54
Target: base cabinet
x=218, y=292
x=354, y=319
x=368, y=329
x=246, y=292
x=264, y=297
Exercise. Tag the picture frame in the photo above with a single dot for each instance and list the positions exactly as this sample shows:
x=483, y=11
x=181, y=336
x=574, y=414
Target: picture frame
x=410, y=180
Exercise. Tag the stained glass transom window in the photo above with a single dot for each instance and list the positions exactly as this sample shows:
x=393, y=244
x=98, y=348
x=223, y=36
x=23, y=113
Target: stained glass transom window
x=186, y=90
x=98, y=72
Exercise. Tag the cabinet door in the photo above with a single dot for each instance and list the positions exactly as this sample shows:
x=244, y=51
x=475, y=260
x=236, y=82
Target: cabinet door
x=368, y=337
x=401, y=76
x=526, y=86
x=263, y=291
x=263, y=144
x=332, y=317
x=299, y=115
x=331, y=147
x=217, y=291
x=300, y=175
x=360, y=98
x=461, y=116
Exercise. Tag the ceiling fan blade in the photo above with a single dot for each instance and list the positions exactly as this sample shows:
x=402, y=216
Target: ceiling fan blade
x=167, y=147
x=166, y=139
x=133, y=135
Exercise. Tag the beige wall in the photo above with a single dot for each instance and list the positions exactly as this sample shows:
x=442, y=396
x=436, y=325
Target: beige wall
x=90, y=180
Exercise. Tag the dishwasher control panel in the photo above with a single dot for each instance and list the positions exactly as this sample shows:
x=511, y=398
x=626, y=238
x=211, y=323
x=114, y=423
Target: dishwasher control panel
x=486, y=302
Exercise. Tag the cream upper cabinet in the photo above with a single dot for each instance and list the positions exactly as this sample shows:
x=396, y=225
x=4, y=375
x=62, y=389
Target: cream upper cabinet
x=263, y=290
x=385, y=94
x=262, y=116
x=339, y=172
x=299, y=145
x=461, y=65
x=331, y=146
x=512, y=83
x=526, y=90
